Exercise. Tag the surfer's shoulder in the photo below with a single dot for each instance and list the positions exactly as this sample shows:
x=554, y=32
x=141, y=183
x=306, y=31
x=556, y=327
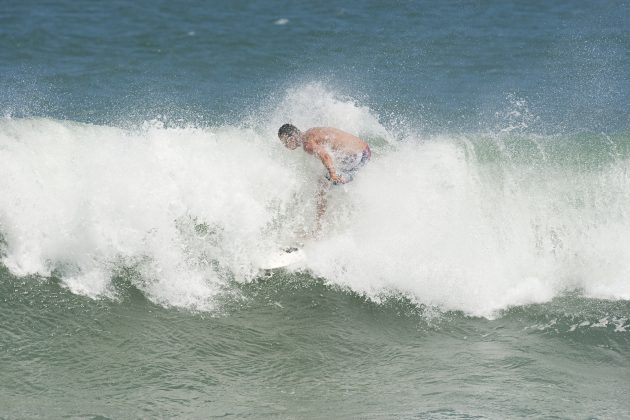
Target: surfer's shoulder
x=312, y=139
x=314, y=132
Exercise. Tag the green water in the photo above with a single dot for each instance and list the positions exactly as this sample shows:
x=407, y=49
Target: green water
x=294, y=347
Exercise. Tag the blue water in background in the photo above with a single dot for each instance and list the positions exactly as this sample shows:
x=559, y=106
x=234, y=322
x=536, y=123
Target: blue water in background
x=438, y=65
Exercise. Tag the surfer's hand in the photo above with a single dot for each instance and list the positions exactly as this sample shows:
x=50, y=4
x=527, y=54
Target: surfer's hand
x=336, y=180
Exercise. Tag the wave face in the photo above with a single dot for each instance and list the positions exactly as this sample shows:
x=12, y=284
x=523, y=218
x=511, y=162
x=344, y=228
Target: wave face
x=476, y=222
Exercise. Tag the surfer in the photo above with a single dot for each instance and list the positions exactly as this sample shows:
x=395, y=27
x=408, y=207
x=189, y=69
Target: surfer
x=342, y=153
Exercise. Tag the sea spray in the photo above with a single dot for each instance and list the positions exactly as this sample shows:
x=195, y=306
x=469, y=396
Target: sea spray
x=476, y=222
x=78, y=198
x=429, y=221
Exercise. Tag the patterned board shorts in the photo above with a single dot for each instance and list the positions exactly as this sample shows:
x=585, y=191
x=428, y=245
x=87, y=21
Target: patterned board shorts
x=348, y=173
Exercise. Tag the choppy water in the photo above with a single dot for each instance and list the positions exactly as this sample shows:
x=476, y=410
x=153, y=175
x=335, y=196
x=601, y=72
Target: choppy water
x=477, y=267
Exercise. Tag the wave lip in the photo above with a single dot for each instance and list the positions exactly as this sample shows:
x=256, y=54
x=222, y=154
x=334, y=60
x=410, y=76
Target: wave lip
x=191, y=209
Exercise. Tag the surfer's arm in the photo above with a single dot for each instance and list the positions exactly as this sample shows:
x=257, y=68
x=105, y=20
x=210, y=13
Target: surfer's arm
x=324, y=156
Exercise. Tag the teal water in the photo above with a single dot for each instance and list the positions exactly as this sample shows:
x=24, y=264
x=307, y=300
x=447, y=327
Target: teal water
x=293, y=347
x=476, y=268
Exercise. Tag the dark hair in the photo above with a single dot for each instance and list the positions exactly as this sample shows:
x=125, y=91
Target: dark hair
x=288, y=130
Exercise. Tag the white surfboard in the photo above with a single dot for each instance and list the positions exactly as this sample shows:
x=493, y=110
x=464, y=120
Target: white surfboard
x=282, y=258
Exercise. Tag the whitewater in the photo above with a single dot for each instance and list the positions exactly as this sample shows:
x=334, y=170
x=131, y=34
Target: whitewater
x=477, y=222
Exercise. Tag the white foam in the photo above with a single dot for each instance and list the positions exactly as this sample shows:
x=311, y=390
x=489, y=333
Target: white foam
x=188, y=209
x=78, y=197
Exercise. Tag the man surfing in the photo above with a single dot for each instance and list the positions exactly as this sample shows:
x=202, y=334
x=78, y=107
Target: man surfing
x=341, y=153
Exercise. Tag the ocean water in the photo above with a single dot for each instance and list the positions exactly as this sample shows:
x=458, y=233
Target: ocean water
x=477, y=267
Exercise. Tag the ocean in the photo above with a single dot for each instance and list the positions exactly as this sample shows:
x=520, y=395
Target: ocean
x=477, y=267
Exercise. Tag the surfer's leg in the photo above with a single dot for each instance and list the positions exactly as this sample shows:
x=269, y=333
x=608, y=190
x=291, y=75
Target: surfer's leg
x=322, y=201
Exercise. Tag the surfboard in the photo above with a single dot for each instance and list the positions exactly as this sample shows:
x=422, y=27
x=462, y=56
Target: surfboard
x=282, y=258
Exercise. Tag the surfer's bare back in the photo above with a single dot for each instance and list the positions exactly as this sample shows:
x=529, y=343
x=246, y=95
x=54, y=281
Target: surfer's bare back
x=342, y=153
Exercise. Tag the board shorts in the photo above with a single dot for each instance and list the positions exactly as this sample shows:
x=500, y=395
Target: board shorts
x=348, y=167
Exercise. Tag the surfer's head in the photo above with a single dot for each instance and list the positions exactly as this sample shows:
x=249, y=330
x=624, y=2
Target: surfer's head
x=290, y=136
